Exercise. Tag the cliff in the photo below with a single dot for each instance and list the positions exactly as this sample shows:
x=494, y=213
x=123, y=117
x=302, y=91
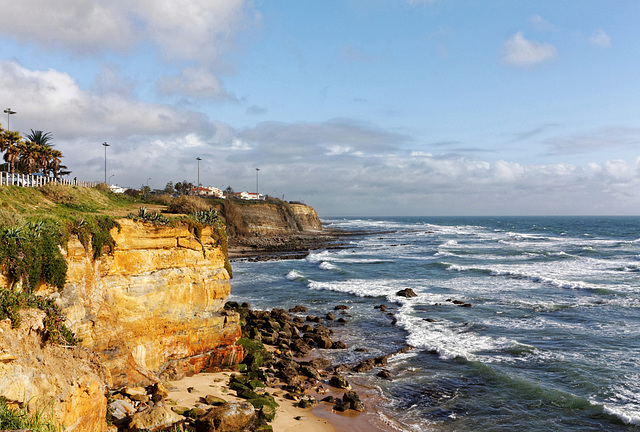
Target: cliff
x=154, y=307
x=68, y=382
x=151, y=310
x=277, y=218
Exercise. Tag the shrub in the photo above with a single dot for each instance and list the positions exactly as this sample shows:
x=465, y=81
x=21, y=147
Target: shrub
x=56, y=331
x=144, y=215
x=10, y=218
x=95, y=231
x=187, y=205
x=31, y=253
x=102, y=187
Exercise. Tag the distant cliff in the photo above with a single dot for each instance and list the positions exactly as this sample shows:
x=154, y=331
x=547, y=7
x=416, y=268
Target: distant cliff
x=246, y=219
x=271, y=226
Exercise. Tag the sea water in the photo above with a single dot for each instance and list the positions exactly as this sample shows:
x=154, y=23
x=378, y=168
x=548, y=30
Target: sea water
x=550, y=343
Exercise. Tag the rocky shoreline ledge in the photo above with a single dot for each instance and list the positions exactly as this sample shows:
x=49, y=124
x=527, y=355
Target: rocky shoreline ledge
x=282, y=377
x=289, y=246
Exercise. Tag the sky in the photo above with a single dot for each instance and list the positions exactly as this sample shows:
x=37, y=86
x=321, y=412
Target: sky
x=355, y=107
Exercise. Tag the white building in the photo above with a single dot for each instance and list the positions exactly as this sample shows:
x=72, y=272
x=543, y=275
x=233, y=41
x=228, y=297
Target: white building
x=210, y=191
x=116, y=189
x=248, y=195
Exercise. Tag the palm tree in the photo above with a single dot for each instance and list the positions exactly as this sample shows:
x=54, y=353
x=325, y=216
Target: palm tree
x=39, y=137
x=29, y=157
x=12, y=156
x=53, y=164
x=44, y=154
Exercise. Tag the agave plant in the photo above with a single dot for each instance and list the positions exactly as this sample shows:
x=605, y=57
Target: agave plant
x=13, y=233
x=207, y=217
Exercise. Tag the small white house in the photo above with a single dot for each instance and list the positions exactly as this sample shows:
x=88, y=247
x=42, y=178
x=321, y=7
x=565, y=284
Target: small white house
x=210, y=191
x=116, y=189
x=249, y=195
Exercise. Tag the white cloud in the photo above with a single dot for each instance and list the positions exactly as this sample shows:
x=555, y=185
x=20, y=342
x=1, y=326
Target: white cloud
x=522, y=52
x=82, y=25
x=600, y=39
x=71, y=111
x=199, y=30
x=193, y=29
x=333, y=165
x=197, y=83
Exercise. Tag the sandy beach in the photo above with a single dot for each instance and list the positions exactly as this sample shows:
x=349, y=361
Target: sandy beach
x=289, y=418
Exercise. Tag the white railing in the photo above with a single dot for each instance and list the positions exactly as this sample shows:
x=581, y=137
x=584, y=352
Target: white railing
x=29, y=180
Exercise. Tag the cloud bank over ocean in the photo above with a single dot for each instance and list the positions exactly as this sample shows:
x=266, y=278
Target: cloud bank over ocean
x=434, y=112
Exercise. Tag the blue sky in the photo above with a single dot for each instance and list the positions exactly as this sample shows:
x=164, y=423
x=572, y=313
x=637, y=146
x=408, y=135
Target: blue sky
x=356, y=107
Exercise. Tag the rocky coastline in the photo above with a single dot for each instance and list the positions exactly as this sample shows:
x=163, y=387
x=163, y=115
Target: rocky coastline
x=283, y=373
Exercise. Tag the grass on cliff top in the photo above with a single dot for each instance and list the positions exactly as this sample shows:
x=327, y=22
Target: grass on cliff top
x=60, y=202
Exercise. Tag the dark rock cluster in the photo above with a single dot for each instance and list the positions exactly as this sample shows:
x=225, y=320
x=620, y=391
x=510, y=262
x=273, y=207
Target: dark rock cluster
x=285, y=367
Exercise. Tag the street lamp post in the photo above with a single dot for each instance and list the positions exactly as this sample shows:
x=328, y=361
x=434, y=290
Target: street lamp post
x=9, y=111
x=105, y=161
x=257, y=183
x=198, y=159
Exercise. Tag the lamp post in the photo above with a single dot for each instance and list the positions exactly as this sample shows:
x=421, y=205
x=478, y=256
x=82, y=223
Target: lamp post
x=257, y=184
x=9, y=111
x=105, y=161
x=198, y=159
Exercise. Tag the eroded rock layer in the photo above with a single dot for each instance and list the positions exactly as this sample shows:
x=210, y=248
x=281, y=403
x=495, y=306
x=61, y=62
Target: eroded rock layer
x=154, y=307
x=66, y=382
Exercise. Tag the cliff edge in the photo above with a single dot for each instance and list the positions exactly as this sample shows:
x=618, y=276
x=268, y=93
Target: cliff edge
x=151, y=310
x=154, y=307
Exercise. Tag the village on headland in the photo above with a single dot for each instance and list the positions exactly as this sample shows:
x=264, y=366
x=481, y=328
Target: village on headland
x=32, y=160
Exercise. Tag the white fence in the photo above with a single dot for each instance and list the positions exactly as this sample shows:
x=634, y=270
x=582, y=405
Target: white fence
x=29, y=180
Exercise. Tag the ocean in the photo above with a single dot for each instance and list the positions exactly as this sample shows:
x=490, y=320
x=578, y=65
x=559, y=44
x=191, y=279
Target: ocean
x=551, y=341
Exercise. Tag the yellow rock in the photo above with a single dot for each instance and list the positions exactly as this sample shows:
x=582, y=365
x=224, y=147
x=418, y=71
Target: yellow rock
x=154, y=306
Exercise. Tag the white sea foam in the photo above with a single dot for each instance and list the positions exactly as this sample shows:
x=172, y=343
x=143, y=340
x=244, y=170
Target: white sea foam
x=449, y=340
x=325, y=265
x=316, y=257
x=295, y=275
x=518, y=273
x=361, y=287
x=629, y=414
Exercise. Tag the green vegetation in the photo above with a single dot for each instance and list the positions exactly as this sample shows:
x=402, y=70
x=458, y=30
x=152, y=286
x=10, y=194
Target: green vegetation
x=35, y=226
x=30, y=253
x=147, y=216
x=199, y=219
x=21, y=419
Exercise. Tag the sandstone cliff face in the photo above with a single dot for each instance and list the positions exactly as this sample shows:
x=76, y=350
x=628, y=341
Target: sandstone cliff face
x=154, y=308
x=266, y=219
x=68, y=382
x=307, y=217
